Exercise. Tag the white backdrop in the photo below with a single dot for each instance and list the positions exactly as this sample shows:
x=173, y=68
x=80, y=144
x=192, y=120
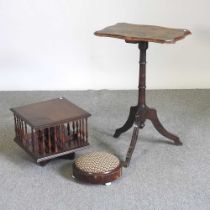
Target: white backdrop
x=49, y=45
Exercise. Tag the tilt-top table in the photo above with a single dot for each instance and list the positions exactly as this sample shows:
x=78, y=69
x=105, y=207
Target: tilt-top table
x=141, y=35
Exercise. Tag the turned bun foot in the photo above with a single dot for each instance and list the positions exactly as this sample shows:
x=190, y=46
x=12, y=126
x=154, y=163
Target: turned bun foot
x=70, y=156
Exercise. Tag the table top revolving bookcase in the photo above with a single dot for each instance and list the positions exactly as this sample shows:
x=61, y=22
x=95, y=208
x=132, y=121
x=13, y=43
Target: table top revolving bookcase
x=51, y=129
x=142, y=35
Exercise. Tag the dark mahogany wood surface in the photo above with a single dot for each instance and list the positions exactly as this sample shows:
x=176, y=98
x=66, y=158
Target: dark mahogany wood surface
x=51, y=129
x=50, y=112
x=148, y=33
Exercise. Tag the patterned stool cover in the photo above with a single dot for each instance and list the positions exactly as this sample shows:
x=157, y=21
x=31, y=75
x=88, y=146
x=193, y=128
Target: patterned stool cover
x=97, y=167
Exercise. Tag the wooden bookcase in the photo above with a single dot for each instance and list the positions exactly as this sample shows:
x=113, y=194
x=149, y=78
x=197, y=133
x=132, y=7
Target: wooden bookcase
x=50, y=129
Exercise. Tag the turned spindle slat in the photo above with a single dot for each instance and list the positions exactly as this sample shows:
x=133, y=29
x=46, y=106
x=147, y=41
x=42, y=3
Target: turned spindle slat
x=55, y=140
x=86, y=130
x=49, y=140
x=15, y=121
x=21, y=133
x=63, y=136
x=80, y=132
x=19, y=129
x=38, y=133
x=43, y=142
x=68, y=129
x=59, y=136
x=25, y=127
x=50, y=129
x=73, y=126
x=33, y=142
x=77, y=133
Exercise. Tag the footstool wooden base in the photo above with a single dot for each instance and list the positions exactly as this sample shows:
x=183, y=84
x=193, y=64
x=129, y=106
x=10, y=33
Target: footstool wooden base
x=97, y=168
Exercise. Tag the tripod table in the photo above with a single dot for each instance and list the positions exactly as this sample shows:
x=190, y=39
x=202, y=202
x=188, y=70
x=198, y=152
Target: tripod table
x=142, y=35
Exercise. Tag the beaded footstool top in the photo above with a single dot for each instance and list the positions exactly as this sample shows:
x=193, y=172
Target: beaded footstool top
x=97, y=162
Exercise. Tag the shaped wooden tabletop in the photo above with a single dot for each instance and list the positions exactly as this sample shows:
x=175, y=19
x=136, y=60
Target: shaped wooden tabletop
x=136, y=33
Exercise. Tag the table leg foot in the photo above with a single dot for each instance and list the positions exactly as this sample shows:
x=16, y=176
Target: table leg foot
x=128, y=124
x=152, y=115
x=125, y=164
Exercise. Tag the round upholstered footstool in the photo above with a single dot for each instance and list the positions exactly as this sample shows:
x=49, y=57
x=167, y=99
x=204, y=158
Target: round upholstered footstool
x=97, y=168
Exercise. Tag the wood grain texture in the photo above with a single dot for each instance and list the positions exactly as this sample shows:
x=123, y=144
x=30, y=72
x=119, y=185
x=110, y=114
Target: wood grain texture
x=148, y=33
x=50, y=113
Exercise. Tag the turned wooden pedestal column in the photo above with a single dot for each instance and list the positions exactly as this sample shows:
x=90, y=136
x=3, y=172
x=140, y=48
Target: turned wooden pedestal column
x=141, y=35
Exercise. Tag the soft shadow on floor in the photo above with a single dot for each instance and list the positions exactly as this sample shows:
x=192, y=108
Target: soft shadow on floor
x=66, y=172
x=13, y=153
x=157, y=140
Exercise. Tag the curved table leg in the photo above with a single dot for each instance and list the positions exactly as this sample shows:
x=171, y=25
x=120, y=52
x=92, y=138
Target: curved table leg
x=132, y=146
x=128, y=124
x=152, y=115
